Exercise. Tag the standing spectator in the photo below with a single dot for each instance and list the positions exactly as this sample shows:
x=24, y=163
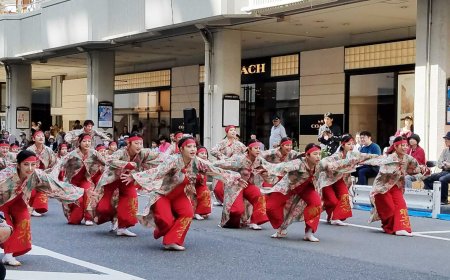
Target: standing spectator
x=47, y=136
x=276, y=132
x=77, y=125
x=364, y=172
x=357, y=142
x=444, y=175
x=406, y=130
x=125, y=131
x=52, y=143
x=9, y=137
x=172, y=138
x=34, y=127
x=329, y=134
x=416, y=152
x=23, y=140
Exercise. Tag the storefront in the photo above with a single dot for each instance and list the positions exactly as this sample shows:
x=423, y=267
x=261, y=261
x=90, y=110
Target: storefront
x=379, y=88
x=142, y=104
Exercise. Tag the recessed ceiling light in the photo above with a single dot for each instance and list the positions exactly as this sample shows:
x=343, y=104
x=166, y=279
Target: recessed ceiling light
x=298, y=24
x=324, y=27
x=320, y=21
x=345, y=24
x=403, y=7
x=258, y=38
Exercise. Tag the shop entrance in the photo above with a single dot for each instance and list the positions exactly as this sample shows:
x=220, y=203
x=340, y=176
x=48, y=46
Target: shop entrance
x=260, y=101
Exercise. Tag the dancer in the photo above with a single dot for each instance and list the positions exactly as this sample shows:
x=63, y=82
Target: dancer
x=254, y=170
x=173, y=148
x=202, y=204
x=388, y=187
x=72, y=136
x=295, y=197
x=79, y=167
x=226, y=148
x=62, y=150
x=169, y=209
x=112, y=147
x=47, y=159
x=6, y=157
x=16, y=185
x=133, y=157
x=335, y=178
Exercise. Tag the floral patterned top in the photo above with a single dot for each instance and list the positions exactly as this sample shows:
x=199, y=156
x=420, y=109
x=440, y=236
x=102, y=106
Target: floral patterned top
x=47, y=158
x=72, y=136
x=336, y=167
x=225, y=149
x=8, y=160
x=171, y=173
x=11, y=186
x=275, y=156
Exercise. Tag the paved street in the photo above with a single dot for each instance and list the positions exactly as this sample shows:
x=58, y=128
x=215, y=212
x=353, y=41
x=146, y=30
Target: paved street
x=353, y=252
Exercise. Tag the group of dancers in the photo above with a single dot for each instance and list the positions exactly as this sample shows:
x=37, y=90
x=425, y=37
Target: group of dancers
x=99, y=185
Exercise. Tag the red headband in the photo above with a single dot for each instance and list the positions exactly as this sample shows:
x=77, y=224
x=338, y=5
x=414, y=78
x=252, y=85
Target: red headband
x=31, y=159
x=100, y=148
x=113, y=142
x=254, y=144
x=312, y=150
x=286, y=142
x=201, y=150
x=37, y=132
x=4, y=145
x=178, y=134
x=63, y=146
x=403, y=141
x=229, y=127
x=87, y=137
x=14, y=146
x=134, y=138
x=187, y=142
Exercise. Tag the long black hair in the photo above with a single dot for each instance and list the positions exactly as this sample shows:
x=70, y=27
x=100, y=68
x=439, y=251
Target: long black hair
x=182, y=140
x=23, y=155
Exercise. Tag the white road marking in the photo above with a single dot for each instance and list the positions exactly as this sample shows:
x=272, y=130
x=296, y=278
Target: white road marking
x=436, y=231
x=418, y=234
x=107, y=273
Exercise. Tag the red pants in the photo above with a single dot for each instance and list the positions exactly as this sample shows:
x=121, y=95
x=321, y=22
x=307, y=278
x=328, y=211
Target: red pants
x=39, y=201
x=392, y=210
x=173, y=216
x=336, y=201
x=17, y=216
x=126, y=208
x=276, y=202
x=78, y=212
x=254, y=196
x=219, y=191
x=203, y=200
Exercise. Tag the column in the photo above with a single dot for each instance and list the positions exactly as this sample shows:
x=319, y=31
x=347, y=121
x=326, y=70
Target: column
x=19, y=95
x=226, y=76
x=432, y=72
x=100, y=82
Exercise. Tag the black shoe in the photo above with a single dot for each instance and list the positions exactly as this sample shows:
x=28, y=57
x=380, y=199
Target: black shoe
x=444, y=202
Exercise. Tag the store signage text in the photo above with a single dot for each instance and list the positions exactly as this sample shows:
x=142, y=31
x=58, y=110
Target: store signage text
x=253, y=69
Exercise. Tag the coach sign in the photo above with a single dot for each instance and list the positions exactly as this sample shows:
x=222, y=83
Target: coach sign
x=309, y=124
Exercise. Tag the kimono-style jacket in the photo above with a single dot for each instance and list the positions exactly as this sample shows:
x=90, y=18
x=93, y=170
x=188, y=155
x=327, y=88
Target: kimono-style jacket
x=254, y=172
x=11, y=186
x=298, y=173
x=224, y=149
x=8, y=160
x=275, y=156
x=335, y=167
x=72, y=136
x=393, y=174
x=171, y=173
x=47, y=158
x=115, y=165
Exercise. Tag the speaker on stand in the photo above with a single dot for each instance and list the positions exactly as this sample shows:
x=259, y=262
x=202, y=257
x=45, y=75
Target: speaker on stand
x=190, y=121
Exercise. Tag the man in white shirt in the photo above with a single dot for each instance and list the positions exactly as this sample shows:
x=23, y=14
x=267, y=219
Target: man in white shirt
x=276, y=133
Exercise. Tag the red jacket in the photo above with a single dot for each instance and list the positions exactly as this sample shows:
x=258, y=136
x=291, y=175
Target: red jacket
x=418, y=154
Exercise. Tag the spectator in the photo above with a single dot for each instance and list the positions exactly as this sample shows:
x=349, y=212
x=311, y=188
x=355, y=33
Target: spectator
x=23, y=141
x=154, y=146
x=391, y=141
x=77, y=125
x=52, y=143
x=34, y=127
x=357, y=146
x=444, y=175
x=261, y=145
x=125, y=131
x=47, y=136
x=416, y=152
x=276, y=132
x=365, y=172
x=406, y=130
x=172, y=138
x=329, y=134
x=9, y=137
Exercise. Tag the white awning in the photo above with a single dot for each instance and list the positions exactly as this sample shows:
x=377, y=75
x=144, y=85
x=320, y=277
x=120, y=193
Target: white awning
x=277, y=6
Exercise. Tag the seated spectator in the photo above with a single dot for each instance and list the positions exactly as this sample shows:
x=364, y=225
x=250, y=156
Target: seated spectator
x=444, y=175
x=416, y=152
x=365, y=172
